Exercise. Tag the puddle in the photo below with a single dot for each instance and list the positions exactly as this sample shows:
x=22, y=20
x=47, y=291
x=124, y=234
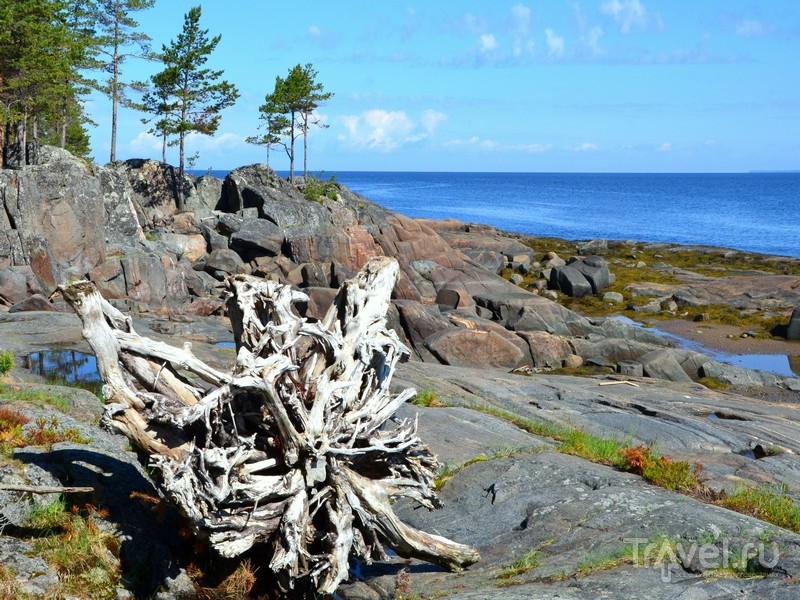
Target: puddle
x=66, y=366
x=779, y=364
x=226, y=344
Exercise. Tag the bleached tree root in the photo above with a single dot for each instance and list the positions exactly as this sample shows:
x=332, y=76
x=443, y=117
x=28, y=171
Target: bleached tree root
x=293, y=448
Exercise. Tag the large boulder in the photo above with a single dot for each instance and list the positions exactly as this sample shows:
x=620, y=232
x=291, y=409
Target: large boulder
x=569, y=280
x=473, y=348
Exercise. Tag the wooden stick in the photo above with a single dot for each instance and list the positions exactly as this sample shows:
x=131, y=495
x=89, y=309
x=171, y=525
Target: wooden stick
x=45, y=489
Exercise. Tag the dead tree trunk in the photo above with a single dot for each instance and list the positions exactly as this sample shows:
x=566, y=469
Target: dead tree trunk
x=293, y=448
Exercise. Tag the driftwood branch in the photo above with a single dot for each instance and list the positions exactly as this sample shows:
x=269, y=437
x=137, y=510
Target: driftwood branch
x=45, y=489
x=293, y=448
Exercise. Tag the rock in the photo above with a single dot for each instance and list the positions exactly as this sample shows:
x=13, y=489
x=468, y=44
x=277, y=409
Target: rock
x=523, y=311
x=662, y=364
x=209, y=192
x=599, y=246
x=34, y=302
x=257, y=237
x=573, y=361
x=517, y=279
x=793, y=328
x=570, y=281
x=595, y=270
x=225, y=261
x=489, y=260
x=450, y=299
x=192, y=246
x=471, y=348
x=613, y=297
x=734, y=375
x=547, y=350
x=630, y=368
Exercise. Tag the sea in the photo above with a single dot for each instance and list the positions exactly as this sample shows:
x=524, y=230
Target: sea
x=756, y=212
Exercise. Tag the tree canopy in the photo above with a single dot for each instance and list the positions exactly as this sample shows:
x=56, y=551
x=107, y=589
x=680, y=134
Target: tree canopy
x=288, y=111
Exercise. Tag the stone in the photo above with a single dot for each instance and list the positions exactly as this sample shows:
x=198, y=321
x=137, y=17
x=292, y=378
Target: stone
x=630, y=368
x=34, y=302
x=793, y=328
x=570, y=281
x=517, y=279
x=662, y=364
x=613, y=297
x=547, y=350
x=471, y=348
x=225, y=260
x=595, y=270
x=257, y=237
x=447, y=298
x=599, y=246
x=734, y=375
x=573, y=361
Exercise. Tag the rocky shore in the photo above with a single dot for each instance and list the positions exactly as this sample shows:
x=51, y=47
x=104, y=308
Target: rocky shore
x=504, y=332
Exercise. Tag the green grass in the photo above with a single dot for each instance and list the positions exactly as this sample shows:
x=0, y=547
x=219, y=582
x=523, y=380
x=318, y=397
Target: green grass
x=770, y=503
x=622, y=259
x=86, y=559
x=526, y=562
x=33, y=395
x=427, y=398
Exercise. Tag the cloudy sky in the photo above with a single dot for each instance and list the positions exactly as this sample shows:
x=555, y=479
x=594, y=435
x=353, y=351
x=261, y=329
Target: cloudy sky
x=479, y=85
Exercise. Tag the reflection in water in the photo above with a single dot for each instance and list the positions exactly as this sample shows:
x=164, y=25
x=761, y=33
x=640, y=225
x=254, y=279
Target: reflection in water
x=66, y=366
x=779, y=364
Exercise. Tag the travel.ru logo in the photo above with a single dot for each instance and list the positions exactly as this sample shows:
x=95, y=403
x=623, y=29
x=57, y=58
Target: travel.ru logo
x=715, y=552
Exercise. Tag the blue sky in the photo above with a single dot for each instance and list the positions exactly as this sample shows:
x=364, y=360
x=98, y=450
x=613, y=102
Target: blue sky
x=468, y=85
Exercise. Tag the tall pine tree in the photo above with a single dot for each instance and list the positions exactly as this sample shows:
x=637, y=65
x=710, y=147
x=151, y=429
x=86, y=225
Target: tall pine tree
x=196, y=92
x=117, y=40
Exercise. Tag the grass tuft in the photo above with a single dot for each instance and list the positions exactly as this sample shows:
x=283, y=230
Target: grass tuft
x=769, y=503
x=526, y=562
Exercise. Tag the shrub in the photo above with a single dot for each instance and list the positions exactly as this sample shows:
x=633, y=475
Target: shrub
x=6, y=361
x=317, y=189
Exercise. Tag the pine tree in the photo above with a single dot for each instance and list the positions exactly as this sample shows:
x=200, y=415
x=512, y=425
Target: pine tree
x=37, y=73
x=196, y=92
x=289, y=110
x=118, y=40
x=312, y=98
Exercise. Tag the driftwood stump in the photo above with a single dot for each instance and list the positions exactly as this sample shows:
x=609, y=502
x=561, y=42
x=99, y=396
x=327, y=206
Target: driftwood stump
x=293, y=448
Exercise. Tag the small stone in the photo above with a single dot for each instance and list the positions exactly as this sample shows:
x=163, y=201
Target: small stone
x=641, y=264
x=573, y=361
x=517, y=279
x=613, y=297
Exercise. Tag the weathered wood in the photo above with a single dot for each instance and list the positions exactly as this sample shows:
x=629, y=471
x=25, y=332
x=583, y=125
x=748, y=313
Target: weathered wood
x=45, y=489
x=293, y=448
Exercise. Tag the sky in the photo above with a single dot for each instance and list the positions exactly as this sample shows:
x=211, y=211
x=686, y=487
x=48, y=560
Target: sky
x=495, y=86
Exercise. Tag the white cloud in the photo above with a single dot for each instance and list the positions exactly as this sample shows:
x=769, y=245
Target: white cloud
x=314, y=31
x=555, y=44
x=593, y=40
x=586, y=147
x=487, y=42
x=626, y=14
x=385, y=131
x=476, y=143
x=145, y=142
x=521, y=29
x=752, y=28
x=431, y=119
x=665, y=147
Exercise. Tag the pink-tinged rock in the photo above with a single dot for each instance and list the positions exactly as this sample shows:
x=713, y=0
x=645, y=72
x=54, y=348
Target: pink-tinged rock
x=205, y=307
x=547, y=350
x=472, y=348
x=37, y=302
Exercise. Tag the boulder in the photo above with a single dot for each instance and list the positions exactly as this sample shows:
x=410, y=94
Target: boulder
x=523, y=311
x=595, y=270
x=570, y=281
x=547, y=350
x=35, y=302
x=447, y=298
x=224, y=261
x=257, y=237
x=734, y=375
x=662, y=364
x=472, y=348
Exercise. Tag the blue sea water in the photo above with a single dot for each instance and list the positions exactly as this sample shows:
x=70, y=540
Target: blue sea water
x=758, y=212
